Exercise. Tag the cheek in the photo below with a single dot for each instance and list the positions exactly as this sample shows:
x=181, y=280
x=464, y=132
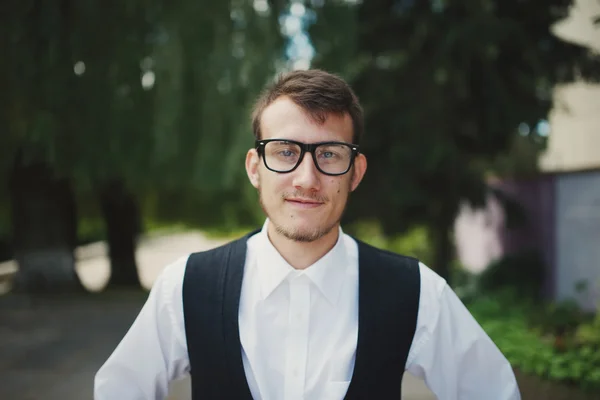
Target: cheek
x=342, y=187
x=273, y=186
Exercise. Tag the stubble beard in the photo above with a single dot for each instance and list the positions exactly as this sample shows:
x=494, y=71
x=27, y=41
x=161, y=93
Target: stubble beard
x=297, y=235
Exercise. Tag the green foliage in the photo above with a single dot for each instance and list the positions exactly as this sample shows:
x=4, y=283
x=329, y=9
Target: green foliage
x=199, y=209
x=368, y=231
x=507, y=318
x=90, y=229
x=556, y=341
x=217, y=58
x=153, y=95
x=445, y=86
x=225, y=234
x=522, y=275
x=559, y=317
x=414, y=243
x=521, y=160
x=588, y=334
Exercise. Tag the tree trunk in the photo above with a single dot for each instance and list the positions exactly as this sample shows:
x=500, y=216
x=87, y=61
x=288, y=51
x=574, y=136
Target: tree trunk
x=442, y=244
x=44, y=229
x=122, y=219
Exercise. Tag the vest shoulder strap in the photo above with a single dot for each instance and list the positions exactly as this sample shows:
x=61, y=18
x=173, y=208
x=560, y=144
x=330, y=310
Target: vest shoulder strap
x=211, y=293
x=388, y=306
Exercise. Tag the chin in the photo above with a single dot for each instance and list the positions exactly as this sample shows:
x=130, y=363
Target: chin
x=303, y=233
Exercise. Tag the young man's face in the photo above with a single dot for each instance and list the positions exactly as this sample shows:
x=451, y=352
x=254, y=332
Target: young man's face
x=305, y=204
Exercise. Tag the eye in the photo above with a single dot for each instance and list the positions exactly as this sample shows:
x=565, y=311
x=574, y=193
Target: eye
x=328, y=154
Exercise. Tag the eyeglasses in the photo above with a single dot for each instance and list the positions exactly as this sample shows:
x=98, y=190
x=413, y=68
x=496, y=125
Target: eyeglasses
x=330, y=158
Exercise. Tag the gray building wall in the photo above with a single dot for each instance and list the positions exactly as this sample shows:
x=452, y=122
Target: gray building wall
x=577, y=247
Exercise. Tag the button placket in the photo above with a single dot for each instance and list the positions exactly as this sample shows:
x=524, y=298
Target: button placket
x=297, y=340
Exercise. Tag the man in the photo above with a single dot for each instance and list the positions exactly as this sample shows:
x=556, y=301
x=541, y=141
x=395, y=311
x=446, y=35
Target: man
x=300, y=310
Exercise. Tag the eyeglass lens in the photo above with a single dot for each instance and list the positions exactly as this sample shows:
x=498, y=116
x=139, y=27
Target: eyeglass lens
x=331, y=158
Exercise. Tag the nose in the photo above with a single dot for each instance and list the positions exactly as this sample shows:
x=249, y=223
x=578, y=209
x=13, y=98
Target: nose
x=306, y=175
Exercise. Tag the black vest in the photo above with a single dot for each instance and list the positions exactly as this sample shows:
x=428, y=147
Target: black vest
x=388, y=303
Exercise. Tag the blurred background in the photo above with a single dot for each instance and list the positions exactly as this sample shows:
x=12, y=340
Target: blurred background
x=124, y=126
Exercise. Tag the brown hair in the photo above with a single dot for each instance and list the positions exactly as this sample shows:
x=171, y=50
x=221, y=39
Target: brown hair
x=317, y=92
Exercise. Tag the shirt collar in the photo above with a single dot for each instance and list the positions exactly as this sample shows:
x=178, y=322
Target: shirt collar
x=328, y=273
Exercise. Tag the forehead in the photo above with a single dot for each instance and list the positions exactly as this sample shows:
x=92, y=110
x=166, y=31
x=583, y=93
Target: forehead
x=286, y=120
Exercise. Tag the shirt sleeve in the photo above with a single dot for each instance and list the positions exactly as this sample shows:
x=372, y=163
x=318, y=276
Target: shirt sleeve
x=452, y=353
x=154, y=351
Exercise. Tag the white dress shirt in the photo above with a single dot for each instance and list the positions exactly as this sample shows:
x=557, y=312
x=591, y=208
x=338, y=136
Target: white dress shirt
x=298, y=331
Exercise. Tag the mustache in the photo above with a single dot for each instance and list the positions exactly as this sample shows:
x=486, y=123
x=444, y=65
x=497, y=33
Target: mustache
x=307, y=196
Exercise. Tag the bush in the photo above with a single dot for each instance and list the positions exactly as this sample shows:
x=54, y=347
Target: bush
x=588, y=334
x=559, y=318
x=570, y=359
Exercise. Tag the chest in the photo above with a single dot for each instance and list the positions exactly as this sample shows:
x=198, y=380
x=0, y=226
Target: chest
x=298, y=341
x=225, y=334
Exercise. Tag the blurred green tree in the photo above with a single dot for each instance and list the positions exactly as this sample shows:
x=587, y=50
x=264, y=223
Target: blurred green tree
x=206, y=84
x=445, y=85
x=123, y=102
x=37, y=80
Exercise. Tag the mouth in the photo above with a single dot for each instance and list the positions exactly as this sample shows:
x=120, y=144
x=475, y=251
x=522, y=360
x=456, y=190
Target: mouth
x=303, y=203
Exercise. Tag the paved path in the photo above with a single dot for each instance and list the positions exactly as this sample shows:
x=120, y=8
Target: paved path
x=50, y=348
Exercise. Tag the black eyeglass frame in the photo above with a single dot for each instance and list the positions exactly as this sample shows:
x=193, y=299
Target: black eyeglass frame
x=259, y=145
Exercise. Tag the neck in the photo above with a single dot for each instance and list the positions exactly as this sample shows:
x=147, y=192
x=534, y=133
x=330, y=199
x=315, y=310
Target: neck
x=301, y=255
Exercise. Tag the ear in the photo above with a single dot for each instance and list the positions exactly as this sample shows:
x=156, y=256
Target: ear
x=252, y=166
x=360, y=167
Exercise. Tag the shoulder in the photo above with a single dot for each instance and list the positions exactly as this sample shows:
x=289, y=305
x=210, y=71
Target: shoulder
x=432, y=286
x=170, y=279
x=433, y=289
x=212, y=258
x=428, y=276
x=220, y=249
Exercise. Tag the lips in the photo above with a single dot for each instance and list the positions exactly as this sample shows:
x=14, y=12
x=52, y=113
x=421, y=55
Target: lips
x=303, y=203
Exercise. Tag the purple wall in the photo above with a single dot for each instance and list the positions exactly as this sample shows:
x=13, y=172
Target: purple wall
x=537, y=197
x=562, y=222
